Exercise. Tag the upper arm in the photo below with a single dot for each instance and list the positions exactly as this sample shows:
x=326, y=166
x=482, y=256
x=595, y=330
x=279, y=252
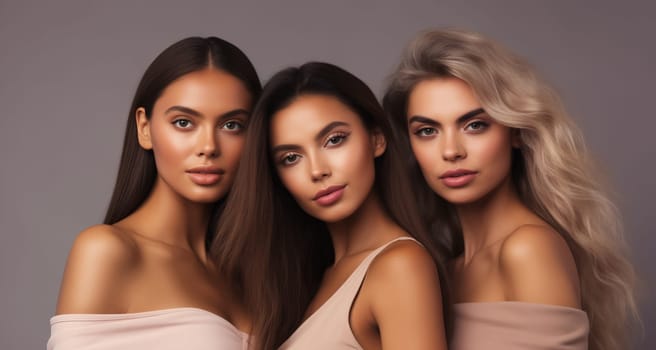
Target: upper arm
x=537, y=266
x=97, y=265
x=406, y=300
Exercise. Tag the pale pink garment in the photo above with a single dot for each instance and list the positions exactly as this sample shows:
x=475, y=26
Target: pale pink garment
x=178, y=328
x=512, y=325
x=329, y=327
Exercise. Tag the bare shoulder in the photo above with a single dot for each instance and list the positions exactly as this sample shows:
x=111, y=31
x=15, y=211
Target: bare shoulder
x=403, y=289
x=104, y=242
x=404, y=276
x=99, y=261
x=537, y=265
x=402, y=260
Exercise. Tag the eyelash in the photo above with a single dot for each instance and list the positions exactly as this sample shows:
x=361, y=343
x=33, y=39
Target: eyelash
x=340, y=136
x=176, y=123
x=483, y=125
x=421, y=132
x=286, y=156
x=238, y=125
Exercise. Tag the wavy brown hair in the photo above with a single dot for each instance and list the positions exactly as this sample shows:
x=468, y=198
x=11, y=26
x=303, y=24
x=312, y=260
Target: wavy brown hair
x=551, y=171
x=266, y=242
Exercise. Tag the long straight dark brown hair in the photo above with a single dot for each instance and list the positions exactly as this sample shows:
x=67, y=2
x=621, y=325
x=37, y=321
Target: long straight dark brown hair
x=137, y=172
x=266, y=242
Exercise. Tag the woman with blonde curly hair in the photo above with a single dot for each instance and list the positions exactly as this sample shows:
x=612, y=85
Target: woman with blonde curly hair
x=538, y=251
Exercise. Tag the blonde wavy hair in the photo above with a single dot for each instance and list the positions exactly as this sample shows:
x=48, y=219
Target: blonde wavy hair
x=552, y=170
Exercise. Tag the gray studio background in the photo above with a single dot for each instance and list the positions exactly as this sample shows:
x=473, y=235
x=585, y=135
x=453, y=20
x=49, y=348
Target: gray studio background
x=68, y=71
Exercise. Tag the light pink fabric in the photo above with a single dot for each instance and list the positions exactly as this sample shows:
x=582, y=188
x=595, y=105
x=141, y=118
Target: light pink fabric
x=518, y=326
x=178, y=328
x=328, y=328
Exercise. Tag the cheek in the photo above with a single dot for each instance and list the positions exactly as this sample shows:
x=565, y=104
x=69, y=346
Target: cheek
x=292, y=179
x=350, y=160
x=426, y=154
x=231, y=147
x=354, y=163
x=495, y=150
x=170, y=146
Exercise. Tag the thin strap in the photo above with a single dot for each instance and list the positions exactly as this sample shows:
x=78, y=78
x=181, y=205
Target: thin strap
x=334, y=313
x=358, y=280
x=361, y=271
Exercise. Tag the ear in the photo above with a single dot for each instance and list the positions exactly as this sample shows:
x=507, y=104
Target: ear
x=378, y=142
x=143, y=129
x=516, y=138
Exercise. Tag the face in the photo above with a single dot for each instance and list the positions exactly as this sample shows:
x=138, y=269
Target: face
x=324, y=155
x=462, y=152
x=196, y=133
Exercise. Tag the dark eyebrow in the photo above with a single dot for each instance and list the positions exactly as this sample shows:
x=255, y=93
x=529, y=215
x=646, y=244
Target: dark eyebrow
x=469, y=115
x=423, y=120
x=195, y=113
x=185, y=110
x=328, y=128
x=284, y=148
x=235, y=112
x=462, y=119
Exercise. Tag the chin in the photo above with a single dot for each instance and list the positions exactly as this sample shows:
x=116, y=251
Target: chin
x=332, y=214
x=459, y=196
x=207, y=198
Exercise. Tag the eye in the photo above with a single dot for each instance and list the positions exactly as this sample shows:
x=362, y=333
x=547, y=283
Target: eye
x=182, y=123
x=335, y=139
x=425, y=132
x=290, y=159
x=476, y=126
x=233, y=125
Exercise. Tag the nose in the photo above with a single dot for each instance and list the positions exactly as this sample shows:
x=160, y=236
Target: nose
x=208, y=143
x=319, y=169
x=452, y=147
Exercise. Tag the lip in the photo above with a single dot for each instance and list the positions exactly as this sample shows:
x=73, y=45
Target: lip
x=329, y=196
x=205, y=175
x=458, y=177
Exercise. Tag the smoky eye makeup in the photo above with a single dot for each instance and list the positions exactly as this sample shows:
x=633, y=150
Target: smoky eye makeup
x=288, y=158
x=477, y=126
x=424, y=131
x=234, y=126
x=336, y=138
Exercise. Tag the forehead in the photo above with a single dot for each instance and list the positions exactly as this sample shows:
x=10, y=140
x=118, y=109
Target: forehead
x=441, y=99
x=209, y=89
x=307, y=115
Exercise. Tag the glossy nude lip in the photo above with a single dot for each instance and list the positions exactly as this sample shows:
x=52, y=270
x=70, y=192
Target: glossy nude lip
x=458, y=177
x=205, y=175
x=329, y=195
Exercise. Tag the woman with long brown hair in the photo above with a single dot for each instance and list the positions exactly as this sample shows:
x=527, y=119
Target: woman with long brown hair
x=538, y=251
x=144, y=279
x=320, y=208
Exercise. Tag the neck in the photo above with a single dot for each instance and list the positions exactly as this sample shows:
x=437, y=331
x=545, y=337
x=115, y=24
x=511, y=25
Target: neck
x=169, y=218
x=489, y=219
x=367, y=228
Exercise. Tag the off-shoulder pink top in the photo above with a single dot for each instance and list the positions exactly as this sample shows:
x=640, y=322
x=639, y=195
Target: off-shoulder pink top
x=511, y=325
x=168, y=329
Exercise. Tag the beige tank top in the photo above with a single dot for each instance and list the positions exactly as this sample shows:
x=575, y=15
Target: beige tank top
x=329, y=327
x=511, y=325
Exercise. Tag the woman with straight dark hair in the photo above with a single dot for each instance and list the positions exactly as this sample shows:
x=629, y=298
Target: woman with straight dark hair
x=319, y=203
x=143, y=279
x=538, y=251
